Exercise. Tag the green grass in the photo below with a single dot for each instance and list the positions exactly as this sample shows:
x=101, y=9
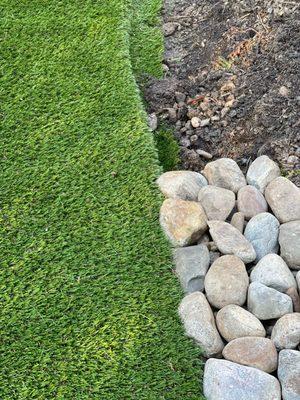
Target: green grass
x=88, y=299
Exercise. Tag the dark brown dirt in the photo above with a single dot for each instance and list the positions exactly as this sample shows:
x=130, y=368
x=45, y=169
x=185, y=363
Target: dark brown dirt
x=235, y=65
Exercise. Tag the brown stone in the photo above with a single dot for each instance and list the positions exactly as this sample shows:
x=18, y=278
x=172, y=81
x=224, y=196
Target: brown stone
x=251, y=202
x=238, y=221
x=293, y=293
x=216, y=202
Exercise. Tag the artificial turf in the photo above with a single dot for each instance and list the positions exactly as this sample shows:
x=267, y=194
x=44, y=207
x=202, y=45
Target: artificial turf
x=88, y=299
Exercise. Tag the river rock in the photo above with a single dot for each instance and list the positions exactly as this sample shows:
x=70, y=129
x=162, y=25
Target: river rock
x=225, y=380
x=224, y=173
x=216, y=202
x=184, y=185
x=293, y=293
x=254, y=352
x=199, y=323
x=267, y=303
x=238, y=221
x=284, y=199
x=231, y=241
x=234, y=322
x=289, y=374
x=226, y=282
x=182, y=221
x=191, y=266
x=298, y=280
x=289, y=240
x=250, y=201
x=273, y=272
x=286, y=332
x=261, y=172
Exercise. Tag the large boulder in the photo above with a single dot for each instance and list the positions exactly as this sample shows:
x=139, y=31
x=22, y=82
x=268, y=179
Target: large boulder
x=261, y=172
x=289, y=240
x=216, y=202
x=251, y=202
x=286, y=332
x=289, y=374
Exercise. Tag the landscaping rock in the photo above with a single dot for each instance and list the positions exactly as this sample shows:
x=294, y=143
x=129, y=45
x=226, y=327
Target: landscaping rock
x=182, y=221
x=234, y=322
x=238, y=221
x=224, y=173
x=254, y=352
x=286, y=332
x=262, y=232
x=298, y=280
x=267, y=303
x=289, y=374
x=225, y=380
x=191, y=266
x=230, y=241
x=251, y=202
x=289, y=240
x=273, y=272
x=216, y=202
x=293, y=293
x=284, y=199
x=226, y=282
x=261, y=172
x=184, y=185
x=199, y=323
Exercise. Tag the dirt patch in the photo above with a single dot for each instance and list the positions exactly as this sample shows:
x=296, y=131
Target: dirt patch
x=231, y=85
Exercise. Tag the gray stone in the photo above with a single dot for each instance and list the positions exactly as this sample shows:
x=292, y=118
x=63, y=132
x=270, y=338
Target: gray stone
x=226, y=282
x=152, y=122
x=267, y=303
x=199, y=323
x=298, y=280
x=169, y=28
x=238, y=221
x=230, y=241
x=262, y=232
x=293, y=293
x=289, y=240
x=225, y=380
x=191, y=266
x=286, y=332
x=261, y=172
x=251, y=202
x=216, y=202
x=273, y=272
x=289, y=374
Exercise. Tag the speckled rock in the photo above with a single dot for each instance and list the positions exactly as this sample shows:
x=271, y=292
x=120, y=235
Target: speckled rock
x=286, y=332
x=289, y=240
x=251, y=202
x=238, y=221
x=216, y=202
x=261, y=172
x=289, y=374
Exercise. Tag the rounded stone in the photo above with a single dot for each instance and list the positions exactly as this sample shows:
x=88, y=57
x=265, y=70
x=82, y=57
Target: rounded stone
x=286, y=332
x=251, y=202
x=298, y=280
x=293, y=293
x=289, y=240
x=261, y=172
x=234, y=322
x=238, y=221
x=216, y=202
x=289, y=374
x=226, y=282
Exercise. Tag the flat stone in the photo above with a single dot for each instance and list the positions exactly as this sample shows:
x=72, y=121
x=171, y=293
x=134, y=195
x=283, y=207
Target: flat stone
x=261, y=172
x=267, y=303
x=224, y=173
x=262, y=232
x=230, y=241
x=286, y=332
x=250, y=201
x=273, y=272
x=284, y=199
x=184, y=185
x=256, y=352
x=199, y=323
x=238, y=221
x=234, y=322
x=191, y=266
x=289, y=374
x=182, y=221
x=216, y=202
x=225, y=380
x=289, y=240
x=226, y=282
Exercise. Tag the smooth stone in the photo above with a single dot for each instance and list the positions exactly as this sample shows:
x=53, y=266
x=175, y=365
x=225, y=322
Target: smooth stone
x=238, y=221
x=261, y=172
x=256, y=352
x=191, y=266
x=184, y=185
x=225, y=380
x=224, y=173
x=251, y=202
x=293, y=293
x=273, y=272
x=231, y=241
x=284, y=199
x=216, y=202
x=286, y=332
x=262, y=232
x=199, y=323
x=289, y=240
x=289, y=374
x=234, y=322
x=298, y=279
x=226, y=282
x=182, y=221
x=267, y=303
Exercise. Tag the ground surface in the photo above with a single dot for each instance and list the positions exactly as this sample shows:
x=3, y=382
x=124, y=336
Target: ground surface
x=88, y=299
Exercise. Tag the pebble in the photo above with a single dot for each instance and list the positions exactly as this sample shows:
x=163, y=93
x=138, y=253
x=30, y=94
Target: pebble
x=195, y=121
x=289, y=374
x=289, y=240
x=230, y=241
x=286, y=332
x=226, y=282
x=251, y=202
x=238, y=221
x=199, y=323
x=169, y=28
x=205, y=122
x=261, y=172
x=180, y=97
x=204, y=154
x=234, y=322
x=216, y=202
x=152, y=122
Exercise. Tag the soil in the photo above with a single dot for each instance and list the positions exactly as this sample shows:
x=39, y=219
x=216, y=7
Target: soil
x=233, y=68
